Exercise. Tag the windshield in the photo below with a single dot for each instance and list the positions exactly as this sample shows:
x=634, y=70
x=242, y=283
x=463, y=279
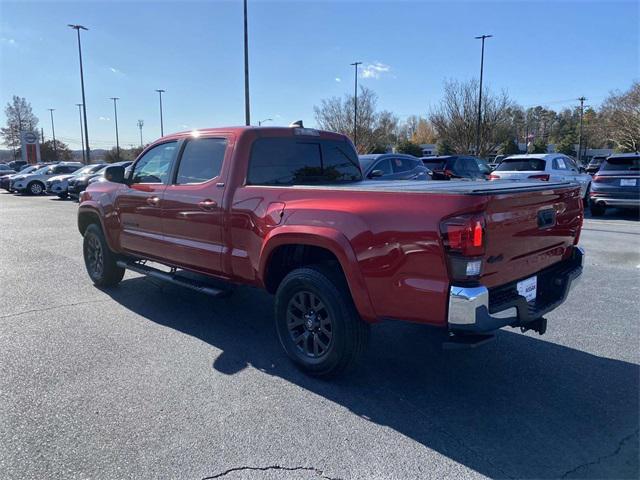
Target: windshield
x=29, y=169
x=41, y=170
x=596, y=160
x=621, y=164
x=521, y=165
x=87, y=169
x=366, y=161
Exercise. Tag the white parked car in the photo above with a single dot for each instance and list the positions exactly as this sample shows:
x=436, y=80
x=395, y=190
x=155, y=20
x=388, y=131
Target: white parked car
x=59, y=185
x=35, y=183
x=544, y=167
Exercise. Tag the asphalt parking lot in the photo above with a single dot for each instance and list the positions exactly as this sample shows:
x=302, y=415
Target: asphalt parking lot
x=148, y=380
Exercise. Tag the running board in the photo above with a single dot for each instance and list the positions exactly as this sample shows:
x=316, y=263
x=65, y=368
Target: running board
x=175, y=278
x=463, y=342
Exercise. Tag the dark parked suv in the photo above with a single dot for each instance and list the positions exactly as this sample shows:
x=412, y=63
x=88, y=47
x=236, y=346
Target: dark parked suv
x=594, y=164
x=393, y=166
x=617, y=184
x=450, y=167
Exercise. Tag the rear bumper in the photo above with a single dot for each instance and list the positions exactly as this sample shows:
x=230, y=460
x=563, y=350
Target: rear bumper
x=615, y=201
x=480, y=310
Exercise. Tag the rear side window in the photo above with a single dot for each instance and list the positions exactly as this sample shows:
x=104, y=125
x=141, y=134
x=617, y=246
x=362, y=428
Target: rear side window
x=621, y=164
x=291, y=161
x=201, y=160
x=521, y=165
x=402, y=165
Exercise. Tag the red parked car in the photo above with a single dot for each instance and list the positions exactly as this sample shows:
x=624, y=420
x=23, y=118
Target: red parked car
x=287, y=210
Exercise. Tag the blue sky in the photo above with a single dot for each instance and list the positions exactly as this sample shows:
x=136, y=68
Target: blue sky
x=542, y=53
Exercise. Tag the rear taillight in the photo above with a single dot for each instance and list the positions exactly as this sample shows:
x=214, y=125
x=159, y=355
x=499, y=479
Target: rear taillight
x=464, y=234
x=493, y=176
x=598, y=179
x=544, y=177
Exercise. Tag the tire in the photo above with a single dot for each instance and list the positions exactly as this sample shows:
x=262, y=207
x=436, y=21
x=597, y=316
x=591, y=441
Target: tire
x=597, y=210
x=326, y=340
x=35, y=188
x=585, y=199
x=99, y=260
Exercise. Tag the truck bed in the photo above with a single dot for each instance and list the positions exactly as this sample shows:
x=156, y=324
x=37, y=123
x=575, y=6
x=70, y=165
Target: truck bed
x=457, y=187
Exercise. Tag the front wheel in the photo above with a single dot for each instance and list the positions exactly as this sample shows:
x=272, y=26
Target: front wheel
x=63, y=196
x=99, y=260
x=35, y=188
x=317, y=322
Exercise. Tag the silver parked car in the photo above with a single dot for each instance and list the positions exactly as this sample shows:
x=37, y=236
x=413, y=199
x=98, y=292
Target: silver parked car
x=35, y=183
x=544, y=167
x=59, y=185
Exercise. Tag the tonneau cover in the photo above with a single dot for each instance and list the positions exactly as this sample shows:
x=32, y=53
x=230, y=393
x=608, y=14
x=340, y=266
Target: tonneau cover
x=459, y=187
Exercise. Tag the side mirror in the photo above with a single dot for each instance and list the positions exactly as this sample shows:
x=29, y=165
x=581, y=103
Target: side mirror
x=115, y=174
x=376, y=174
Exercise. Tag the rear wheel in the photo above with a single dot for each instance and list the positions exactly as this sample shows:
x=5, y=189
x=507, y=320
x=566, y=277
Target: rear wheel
x=597, y=209
x=99, y=260
x=63, y=196
x=585, y=200
x=317, y=322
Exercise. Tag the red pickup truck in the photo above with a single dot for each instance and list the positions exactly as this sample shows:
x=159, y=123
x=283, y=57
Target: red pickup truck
x=287, y=210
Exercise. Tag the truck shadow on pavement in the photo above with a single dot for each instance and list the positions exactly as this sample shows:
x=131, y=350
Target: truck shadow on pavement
x=518, y=408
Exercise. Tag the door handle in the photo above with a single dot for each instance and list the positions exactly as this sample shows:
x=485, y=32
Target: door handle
x=208, y=204
x=153, y=201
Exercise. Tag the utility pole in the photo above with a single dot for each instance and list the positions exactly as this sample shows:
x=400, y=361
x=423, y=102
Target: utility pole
x=160, y=92
x=77, y=28
x=53, y=132
x=247, y=108
x=41, y=135
x=115, y=112
x=355, y=106
x=481, y=37
x=79, y=105
x=582, y=99
x=140, y=124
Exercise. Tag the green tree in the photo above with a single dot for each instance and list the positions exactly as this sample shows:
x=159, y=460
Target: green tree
x=509, y=147
x=540, y=146
x=443, y=147
x=409, y=148
x=58, y=152
x=566, y=145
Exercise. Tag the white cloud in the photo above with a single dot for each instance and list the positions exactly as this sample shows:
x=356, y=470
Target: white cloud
x=338, y=79
x=8, y=41
x=116, y=71
x=104, y=119
x=375, y=70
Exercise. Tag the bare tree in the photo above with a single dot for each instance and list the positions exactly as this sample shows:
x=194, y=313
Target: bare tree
x=455, y=119
x=417, y=130
x=375, y=129
x=20, y=117
x=621, y=115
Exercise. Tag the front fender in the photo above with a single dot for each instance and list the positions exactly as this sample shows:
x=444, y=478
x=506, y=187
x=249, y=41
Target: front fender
x=108, y=222
x=329, y=239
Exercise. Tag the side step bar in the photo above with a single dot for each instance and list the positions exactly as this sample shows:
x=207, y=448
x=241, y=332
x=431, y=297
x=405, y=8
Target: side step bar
x=175, y=278
x=463, y=342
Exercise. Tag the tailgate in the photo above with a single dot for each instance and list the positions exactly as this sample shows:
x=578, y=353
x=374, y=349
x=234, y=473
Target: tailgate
x=529, y=231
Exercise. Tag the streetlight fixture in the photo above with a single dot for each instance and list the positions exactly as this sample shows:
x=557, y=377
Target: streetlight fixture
x=260, y=122
x=160, y=92
x=481, y=37
x=140, y=124
x=79, y=105
x=115, y=112
x=247, y=109
x=355, y=106
x=53, y=134
x=77, y=28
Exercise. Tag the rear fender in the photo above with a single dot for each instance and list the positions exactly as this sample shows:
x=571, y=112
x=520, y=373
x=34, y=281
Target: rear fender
x=331, y=240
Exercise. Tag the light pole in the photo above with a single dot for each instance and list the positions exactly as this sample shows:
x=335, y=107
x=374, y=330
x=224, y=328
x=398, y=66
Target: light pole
x=140, y=124
x=53, y=134
x=582, y=99
x=79, y=105
x=160, y=92
x=481, y=37
x=355, y=106
x=260, y=122
x=247, y=109
x=115, y=112
x=77, y=28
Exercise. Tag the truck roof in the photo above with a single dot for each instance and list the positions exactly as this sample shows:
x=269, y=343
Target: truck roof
x=239, y=130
